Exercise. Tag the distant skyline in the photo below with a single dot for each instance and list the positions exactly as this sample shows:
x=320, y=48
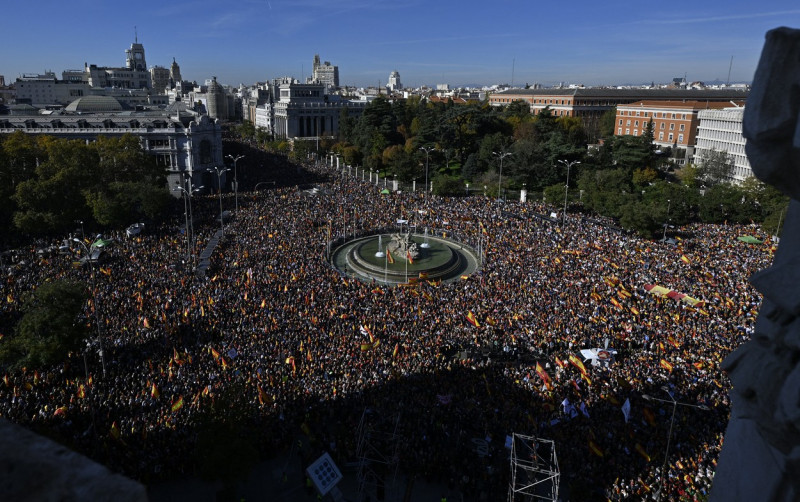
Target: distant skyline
x=428, y=43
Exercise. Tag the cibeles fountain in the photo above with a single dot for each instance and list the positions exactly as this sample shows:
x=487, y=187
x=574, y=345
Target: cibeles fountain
x=401, y=257
x=760, y=457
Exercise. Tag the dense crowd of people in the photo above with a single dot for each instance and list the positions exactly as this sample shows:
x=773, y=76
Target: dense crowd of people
x=273, y=317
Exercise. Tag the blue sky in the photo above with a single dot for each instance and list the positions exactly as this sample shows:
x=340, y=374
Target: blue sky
x=458, y=43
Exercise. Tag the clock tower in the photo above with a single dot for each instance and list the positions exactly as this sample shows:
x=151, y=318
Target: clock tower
x=134, y=57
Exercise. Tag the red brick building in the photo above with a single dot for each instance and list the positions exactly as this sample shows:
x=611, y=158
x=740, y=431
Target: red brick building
x=591, y=103
x=675, y=123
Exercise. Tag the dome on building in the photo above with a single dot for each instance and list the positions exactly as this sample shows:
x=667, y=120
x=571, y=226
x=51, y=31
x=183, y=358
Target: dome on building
x=94, y=104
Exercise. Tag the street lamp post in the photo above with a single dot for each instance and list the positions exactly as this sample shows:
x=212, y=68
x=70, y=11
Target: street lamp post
x=566, y=188
x=235, y=180
x=666, y=223
x=501, y=156
x=220, y=172
x=83, y=234
x=427, y=150
x=96, y=306
x=187, y=213
x=675, y=403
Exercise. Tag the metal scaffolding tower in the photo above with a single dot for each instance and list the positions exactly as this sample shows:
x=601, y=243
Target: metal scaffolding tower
x=378, y=459
x=534, y=469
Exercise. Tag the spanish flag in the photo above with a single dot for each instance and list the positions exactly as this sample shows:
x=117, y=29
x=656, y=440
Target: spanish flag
x=409, y=258
x=578, y=364
x=396, y=348
x=472, y=320
x=154, y=391
x=685, y=260
x=215, y=354
x=667, y=366
x=177, y=405
x=389, y=256
x=543, y=375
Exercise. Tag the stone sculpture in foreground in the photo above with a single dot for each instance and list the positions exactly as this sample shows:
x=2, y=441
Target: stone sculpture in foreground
x=760, y=458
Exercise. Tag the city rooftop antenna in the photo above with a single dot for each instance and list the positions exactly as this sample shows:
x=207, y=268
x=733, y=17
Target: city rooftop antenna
x=135, y=35
x=729, y=73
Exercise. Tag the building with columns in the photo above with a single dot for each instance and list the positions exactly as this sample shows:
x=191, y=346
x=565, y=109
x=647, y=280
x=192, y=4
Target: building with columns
x=306, y=111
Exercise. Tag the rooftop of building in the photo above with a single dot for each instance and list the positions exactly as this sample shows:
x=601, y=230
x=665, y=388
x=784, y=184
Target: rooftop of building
x=94, y=104
x=683, y=104
x=629, y=93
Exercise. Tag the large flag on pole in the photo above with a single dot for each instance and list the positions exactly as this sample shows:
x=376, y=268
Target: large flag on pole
x=409, y=258
x=389, y=257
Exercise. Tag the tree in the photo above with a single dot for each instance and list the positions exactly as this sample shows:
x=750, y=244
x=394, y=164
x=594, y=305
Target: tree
x=607, y=123
x=717, y=167
x=53, y=197
x=448, y=185
x=51, y=326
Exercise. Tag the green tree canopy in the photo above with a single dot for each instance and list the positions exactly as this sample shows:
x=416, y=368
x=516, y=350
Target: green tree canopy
x=51, y=325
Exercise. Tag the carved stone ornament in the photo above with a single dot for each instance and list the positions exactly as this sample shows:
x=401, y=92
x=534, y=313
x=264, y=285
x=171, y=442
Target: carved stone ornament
x=760, y=458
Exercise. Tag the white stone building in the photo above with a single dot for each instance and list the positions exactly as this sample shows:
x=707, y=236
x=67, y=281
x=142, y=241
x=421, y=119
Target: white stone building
x=721, y=130
x=185, y=143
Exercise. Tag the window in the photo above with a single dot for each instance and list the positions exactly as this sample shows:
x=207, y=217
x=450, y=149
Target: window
x=680, y=138
x=672, y=127
x=681, y=128
x=661, y=136
x=628, y=123
x=620, y=121
x=670, y=137
x=627, y=131
x=662, y=126
x=619, y=131
x=636, y=132
x=636, y=123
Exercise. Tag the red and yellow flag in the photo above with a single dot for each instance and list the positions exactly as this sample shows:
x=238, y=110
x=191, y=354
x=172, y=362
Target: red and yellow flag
x=154, y=391
x=389, y=256
x=177, y=405
x=578, y=364
x=685, y=259
x=409, y=258
x=667, y=366
x=472, y=320
x=543, y=375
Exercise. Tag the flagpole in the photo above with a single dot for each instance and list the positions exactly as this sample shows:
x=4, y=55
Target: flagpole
x=406, y=267
x=386, y=265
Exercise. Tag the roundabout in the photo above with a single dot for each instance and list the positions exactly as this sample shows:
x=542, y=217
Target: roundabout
x=402, y=258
